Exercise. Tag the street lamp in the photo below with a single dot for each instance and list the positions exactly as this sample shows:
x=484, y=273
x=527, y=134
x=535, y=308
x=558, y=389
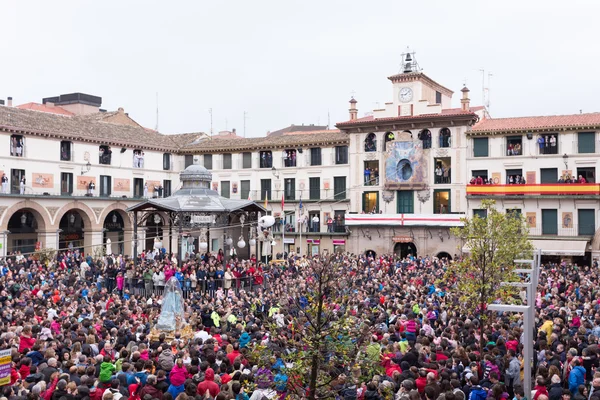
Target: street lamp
x=86, y=168
x=58, y=232
x=23, y=219
x=566, y=160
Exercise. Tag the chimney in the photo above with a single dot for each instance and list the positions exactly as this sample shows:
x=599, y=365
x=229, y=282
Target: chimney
x=9, y=101
x=121, y=110
x=353, y=110
x=233, y=131
x=465, y=101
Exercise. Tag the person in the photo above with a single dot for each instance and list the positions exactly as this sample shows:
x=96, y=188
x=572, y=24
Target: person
x=22, y=186
x=145, y=190
x=5, y=189
x=553, y=149
x=329, y=224
x=315, y=223
x=91, y=188
x=541, y=144
x=438, y=174
x=582, y=179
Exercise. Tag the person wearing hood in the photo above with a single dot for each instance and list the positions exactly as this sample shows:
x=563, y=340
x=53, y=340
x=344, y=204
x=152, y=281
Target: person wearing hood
x=177, y=377
x=244, y=340
x=151, y=389
x=165, y=360
x=576, y=377
x=208, y=385
x=134, y=391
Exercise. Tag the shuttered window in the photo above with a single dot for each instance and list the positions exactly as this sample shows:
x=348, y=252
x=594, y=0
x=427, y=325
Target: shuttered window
x=549, y=222
x=314, y=185
x=406, y=202
x=586, y=220
x=586, y=142
x=480, y=147
x=548, y=175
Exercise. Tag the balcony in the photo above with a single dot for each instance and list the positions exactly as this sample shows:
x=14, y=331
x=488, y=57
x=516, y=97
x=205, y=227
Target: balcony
x=571, y=231
x=585, y=190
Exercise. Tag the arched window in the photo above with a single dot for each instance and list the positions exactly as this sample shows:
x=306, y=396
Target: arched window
x=389, y=136
x=425, y=137
x=444, y=137
x=371, y=143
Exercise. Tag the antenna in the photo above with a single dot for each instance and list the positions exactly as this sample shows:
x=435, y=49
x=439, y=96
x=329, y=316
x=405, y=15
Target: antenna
x=211, y=124
x=489, y=88
x=245, y=116
x=156, y=127
x=328, y=119
x=482, y=86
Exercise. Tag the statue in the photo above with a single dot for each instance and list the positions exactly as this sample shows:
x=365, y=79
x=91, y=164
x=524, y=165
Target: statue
x=108, y=247
x=266, y=238
x=172, y=318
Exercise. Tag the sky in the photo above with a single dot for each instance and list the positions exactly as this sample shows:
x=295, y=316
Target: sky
x=292, y=62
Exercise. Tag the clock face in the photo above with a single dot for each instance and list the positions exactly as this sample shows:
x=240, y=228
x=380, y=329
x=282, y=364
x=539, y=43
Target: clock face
x=405, y=94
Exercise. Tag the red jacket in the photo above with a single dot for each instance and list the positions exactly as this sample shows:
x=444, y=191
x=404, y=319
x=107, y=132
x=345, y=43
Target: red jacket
x=233, y=355
x=26, y=343
x=208, y=384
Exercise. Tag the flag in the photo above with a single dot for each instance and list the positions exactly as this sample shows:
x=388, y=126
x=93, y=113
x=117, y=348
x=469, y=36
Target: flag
x=282, y=202
x=300, y=204
x=266, y=199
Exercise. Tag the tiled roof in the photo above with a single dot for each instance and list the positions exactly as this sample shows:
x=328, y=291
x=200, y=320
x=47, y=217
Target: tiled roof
x=89, y=128
x=449, y=112
x=311, y=132
x=332, y=137
x=528, y=124
x=297, y=129
x=44, y=108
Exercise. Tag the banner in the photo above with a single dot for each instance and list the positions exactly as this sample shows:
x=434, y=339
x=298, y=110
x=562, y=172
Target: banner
x=83, y=182
x=567, y=219
x=531, y=219
x=5, y=364
x=152, y=185
x=39, y=180
x=121, y=185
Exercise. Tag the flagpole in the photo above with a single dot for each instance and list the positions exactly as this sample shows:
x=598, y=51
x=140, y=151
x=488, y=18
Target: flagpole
x=283, y=231
x=300, y=225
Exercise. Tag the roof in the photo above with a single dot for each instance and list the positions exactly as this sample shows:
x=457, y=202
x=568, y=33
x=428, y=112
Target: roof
x=44, y=108
x=297, y=128
x=539, y=123
x=419, y=76
x=332, y=137
x=449, y=112
x=89, y=128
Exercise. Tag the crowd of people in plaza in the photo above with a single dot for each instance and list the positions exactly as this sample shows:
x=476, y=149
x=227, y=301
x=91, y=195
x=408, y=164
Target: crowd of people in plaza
x=79, y=328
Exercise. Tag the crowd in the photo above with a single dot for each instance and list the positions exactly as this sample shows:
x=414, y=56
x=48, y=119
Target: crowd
x=79, y=328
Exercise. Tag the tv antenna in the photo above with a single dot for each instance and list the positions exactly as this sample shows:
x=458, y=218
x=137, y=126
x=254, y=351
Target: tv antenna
x=156, y=127
x=211, y=123
x=245, y=117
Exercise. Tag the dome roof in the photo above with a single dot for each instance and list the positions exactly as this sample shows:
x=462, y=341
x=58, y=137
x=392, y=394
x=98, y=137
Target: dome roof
x=195, y=173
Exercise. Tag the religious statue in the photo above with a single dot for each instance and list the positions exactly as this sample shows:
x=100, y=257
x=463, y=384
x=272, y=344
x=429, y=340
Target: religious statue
x=108, y=247
x=266, y=238
x=171, y=317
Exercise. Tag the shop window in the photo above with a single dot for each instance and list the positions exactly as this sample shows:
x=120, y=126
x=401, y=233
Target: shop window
x=138, y=159
x=444, y=138
x=587, y=173
x=586, y=142
x=443, y=170
x=208, y=161
x=425, y=137
x=289, y=158
x=480, y=147
x=370, y=204
x=227, y=161
x=371, y=143
x=105, y=155
x=266, y=159
x=549, y=222
x=406, y=202
x=371, y=173
x=17, y=145
x=167, y=161
x=247, y=160
x=341, y=155
x=65, y=150
x=441, y=201
x=315, y=156
x=514, y=145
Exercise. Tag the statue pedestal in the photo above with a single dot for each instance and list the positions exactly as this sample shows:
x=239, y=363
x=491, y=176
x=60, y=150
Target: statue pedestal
x=185, y=333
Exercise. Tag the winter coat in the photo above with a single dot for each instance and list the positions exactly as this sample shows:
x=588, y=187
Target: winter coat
x=106, y=371
x=244, y=340
x=555, y=392
x=576, y=378
x=208, y=384
x=152, y=391
x=178, y=375
x=165, y=360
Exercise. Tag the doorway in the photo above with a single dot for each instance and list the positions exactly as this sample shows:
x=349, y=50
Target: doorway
x=405, y=249
x=445, y=255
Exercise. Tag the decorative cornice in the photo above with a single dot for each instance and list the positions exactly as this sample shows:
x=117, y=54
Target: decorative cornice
x=554, y=129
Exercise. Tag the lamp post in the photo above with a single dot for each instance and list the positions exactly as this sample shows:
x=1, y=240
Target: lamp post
x=528, y=311
x=58, y=232
x=4, y=240
x=566, y=160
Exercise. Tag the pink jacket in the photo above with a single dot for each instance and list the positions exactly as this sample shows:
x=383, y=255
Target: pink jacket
x=178, y=375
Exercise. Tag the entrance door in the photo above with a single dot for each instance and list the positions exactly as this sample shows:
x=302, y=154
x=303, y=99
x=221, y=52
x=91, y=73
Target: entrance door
x=404, y=249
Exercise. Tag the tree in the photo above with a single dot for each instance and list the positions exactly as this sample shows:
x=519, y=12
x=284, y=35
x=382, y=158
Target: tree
x=328, y=338
x=493, y=243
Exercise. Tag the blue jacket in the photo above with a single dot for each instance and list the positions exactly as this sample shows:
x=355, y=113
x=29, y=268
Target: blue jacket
x=576, y=378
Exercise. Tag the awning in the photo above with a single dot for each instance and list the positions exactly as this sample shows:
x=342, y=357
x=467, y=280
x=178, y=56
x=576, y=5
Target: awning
x=561, y=247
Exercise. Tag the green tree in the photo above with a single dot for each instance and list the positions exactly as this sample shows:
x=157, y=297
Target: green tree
x=328, y=337
x=493, y=243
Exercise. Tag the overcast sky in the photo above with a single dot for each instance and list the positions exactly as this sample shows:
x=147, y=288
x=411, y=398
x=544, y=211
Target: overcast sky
x=293, y=62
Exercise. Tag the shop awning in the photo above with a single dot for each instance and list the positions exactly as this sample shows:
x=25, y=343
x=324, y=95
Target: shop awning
x=554, y=247
x=560, y=247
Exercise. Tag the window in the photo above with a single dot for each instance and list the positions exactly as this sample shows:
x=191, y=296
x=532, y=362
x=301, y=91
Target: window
x=514, y=176
x=138, y=187
x=339, y=221
x=17, y=145
x=105, y=155
x=105, y=185
x=314, y=222
x=371, y=143
x=586, y=142
x=341, y=154
x=314, y=185
x=290, y=188
x=265, y=189
x=225, y=189
x=15, y=180
x=406, y=202
x=480, y=212
x=514, y=146
x=227, y=161
x=167, y=161
x=444, y=138
x=549, y=222
x=547, y=144
x=315, y=156
x=479, y=173
x=371, y=173
x=266, y=159
x=370, y=202
x=66, y=183
x=588, y=173
x=441, y=201
x=244, y=190
x=339, y=188
x=246, y=160
x=443, y=170
x=289, y=158
x=438, y=97
x=480, y=147
x=166, y=188
x=389, y=136
x=189, y=160
x=425, y=137
x=290, y=222
x=548, y=175
x=138, y=159
x=586, y=218
x=65, y=150
x=208, y=161
x=513, y=212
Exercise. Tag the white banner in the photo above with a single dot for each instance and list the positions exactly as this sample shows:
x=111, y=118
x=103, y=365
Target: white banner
x=404, y=219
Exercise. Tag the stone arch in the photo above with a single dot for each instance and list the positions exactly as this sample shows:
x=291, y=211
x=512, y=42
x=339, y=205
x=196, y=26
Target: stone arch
x=40, y=213
x=121, y=209
x=88, y=215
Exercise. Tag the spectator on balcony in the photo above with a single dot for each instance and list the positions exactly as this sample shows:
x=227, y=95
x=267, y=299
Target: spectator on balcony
x=541, y=144
x=155, y=192
x=438, y=174
x=315, y=223
x=330, y=224
x=22, y=186
x=479, y=180
x=4, y=184
x=582, y=179
x=91, y=188
x=553, y=145
x=367, y=176
x=146, y=190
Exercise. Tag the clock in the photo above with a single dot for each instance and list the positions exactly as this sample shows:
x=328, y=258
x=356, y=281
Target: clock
x=405, y=94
